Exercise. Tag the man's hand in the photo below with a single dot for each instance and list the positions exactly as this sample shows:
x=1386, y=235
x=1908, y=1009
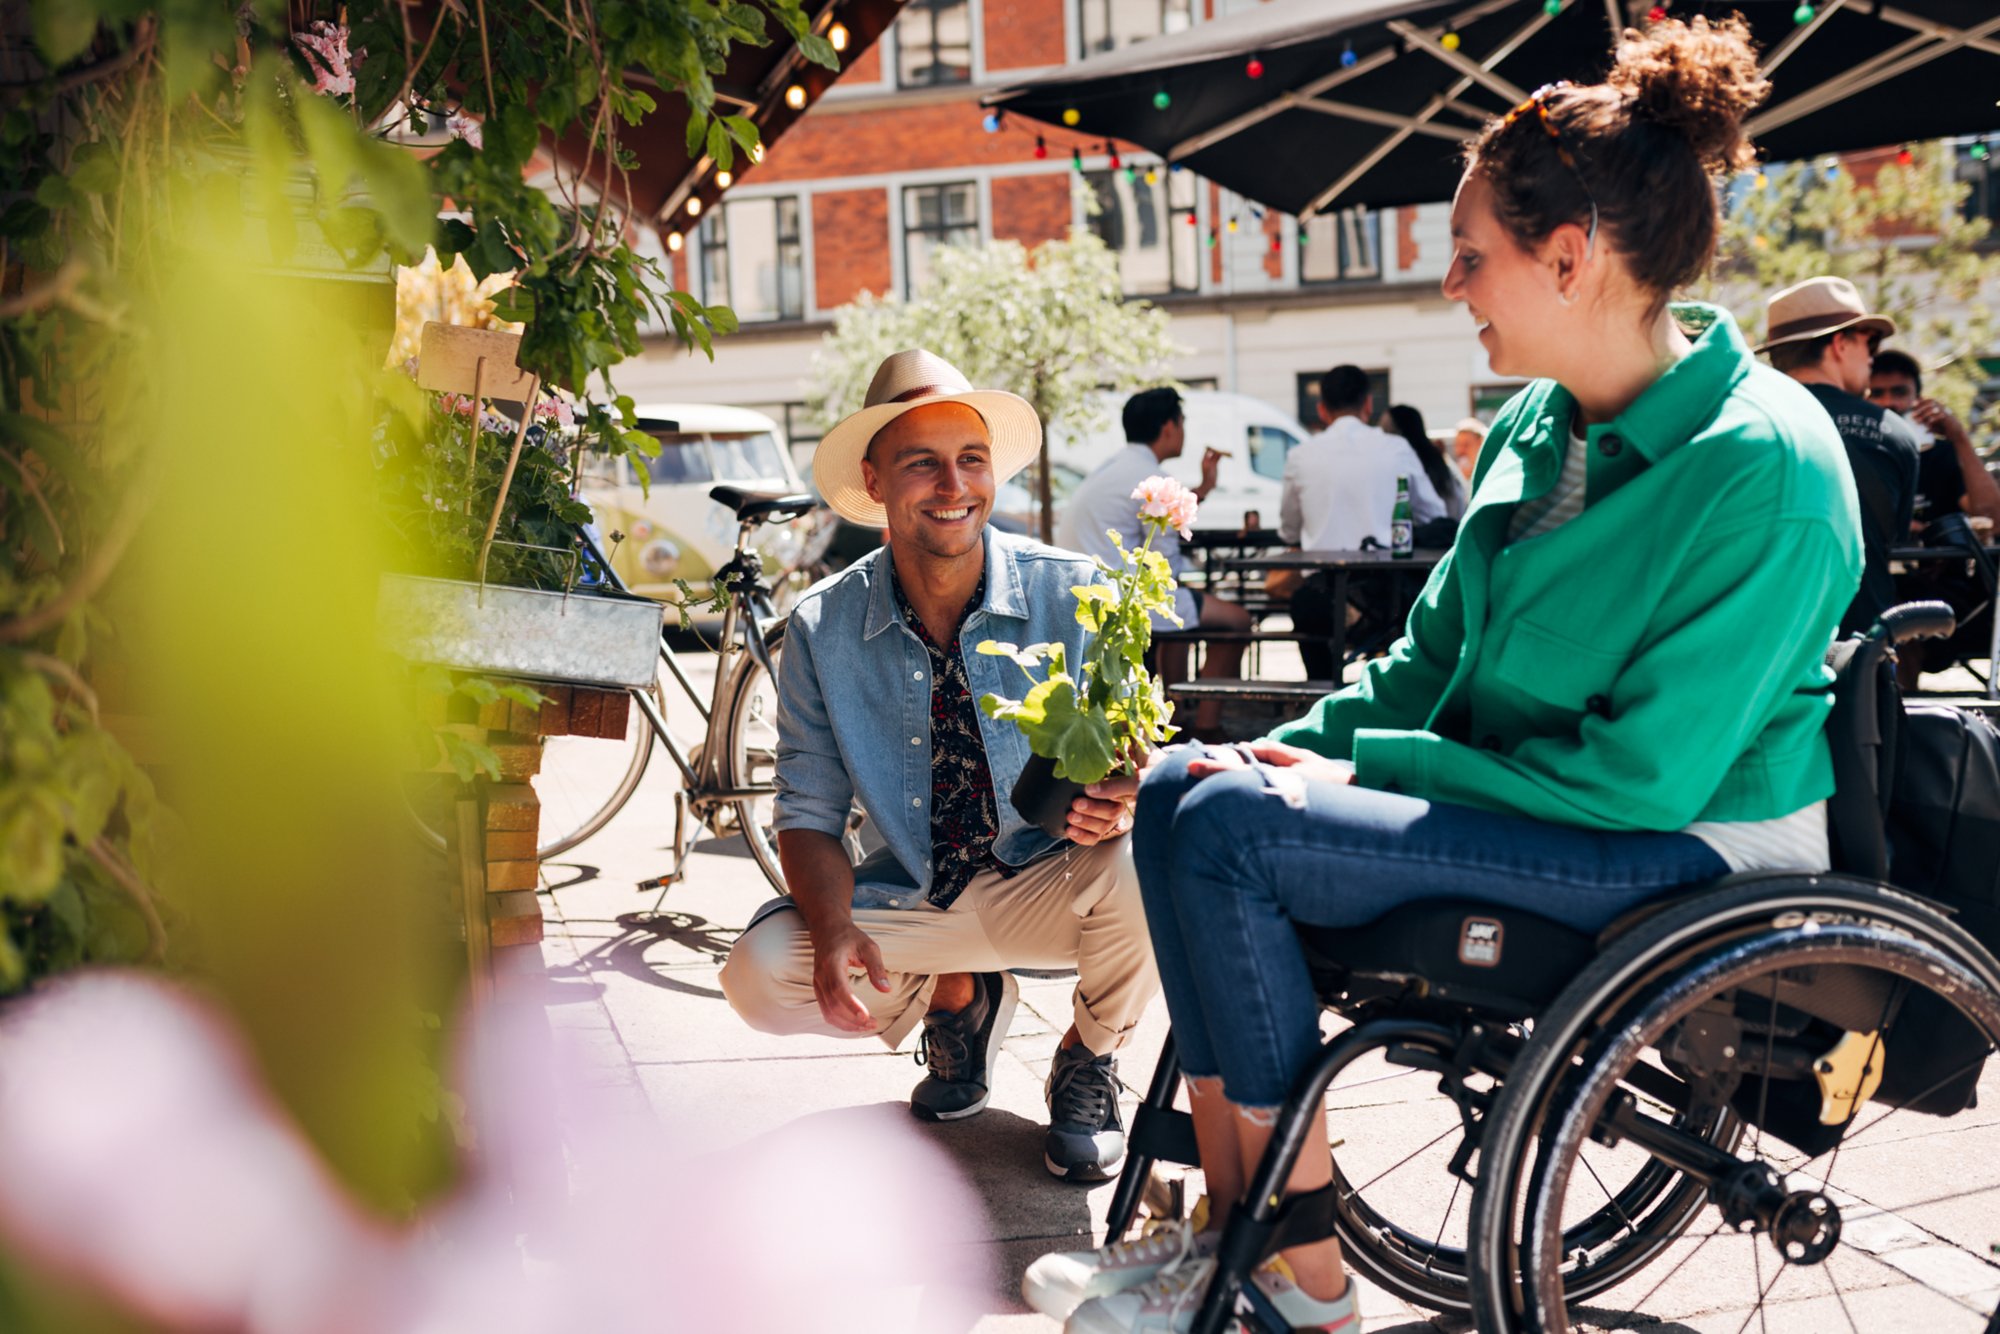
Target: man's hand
x=1104, y=811
x=1303, y=763
x=846, y=950
x=1934, y=417
x=1211, y=463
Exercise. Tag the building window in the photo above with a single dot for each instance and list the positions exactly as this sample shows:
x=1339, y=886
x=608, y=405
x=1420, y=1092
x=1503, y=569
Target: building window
x=1150, y=227
x=1103, y=25
x=1342, y=247
x=934, y=43
x=933, y=216
x=752, y=260
x=1378, y=387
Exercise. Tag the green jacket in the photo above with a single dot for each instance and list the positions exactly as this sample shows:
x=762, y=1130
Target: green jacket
x=1657, y=660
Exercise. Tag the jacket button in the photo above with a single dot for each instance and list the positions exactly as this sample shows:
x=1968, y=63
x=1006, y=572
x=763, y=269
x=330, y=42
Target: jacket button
x=916, y=801
x=1610, y=446
x=1489, y=742
x=918, y=675
x=1599, y=705
x=916, y=741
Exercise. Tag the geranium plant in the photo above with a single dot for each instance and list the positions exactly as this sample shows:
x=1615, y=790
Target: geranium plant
x=1098, y=716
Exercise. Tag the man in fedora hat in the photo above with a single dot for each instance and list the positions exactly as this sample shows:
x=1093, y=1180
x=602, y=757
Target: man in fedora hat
x=878, y=703
x=1821, y=334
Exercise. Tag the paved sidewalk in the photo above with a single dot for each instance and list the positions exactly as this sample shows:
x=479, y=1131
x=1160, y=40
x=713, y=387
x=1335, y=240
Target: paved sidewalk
x=640, y=997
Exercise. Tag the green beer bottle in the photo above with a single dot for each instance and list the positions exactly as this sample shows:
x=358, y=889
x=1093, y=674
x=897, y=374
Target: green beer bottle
x=1402, y=540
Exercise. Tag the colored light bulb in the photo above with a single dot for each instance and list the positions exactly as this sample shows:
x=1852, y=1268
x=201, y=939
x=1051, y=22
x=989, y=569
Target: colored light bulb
x=992, y=122
x=1552, y=7
x=1449, y=41
x=1347, y=56
x=1071, y=115
x=1041, y=147
x=1803, y=14
x=1255, y=68
x=1161, y=101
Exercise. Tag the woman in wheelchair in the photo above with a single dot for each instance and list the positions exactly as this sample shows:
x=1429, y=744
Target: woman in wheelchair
x=1613, y=689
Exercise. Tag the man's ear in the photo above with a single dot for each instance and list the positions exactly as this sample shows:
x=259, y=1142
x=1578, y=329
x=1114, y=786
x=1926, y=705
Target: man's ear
x=1325, y=417
x=869, y=481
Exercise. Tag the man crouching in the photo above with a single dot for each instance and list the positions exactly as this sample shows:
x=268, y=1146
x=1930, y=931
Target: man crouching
x=878, y=703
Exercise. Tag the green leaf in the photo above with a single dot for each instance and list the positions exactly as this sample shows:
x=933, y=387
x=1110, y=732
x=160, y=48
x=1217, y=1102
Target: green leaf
x=721, y=318
x=56, y=193
x=31, y=835
x=95, y=168
x=720, y=146
x=510, y=136
x=514, y=303
x=63, y=29
x=819, y=50
x=23, y=218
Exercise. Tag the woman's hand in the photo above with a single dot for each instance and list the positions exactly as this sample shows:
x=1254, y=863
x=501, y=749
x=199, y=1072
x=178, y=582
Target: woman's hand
x=1300, y=762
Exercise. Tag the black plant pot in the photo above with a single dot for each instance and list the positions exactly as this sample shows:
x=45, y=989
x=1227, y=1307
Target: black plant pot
x=1043, y=799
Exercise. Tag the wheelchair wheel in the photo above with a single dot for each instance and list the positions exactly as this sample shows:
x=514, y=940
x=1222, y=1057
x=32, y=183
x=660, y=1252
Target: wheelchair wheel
x=1842, y=1035
x=1398, y=1224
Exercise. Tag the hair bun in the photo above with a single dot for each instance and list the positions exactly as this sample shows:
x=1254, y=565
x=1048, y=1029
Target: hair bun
x=1698, y=78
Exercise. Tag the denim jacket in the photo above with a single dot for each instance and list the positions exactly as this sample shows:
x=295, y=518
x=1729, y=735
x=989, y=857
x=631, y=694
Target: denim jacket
x=854, y=707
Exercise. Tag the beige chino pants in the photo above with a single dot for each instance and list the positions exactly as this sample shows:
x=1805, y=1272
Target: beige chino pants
x=1076, y=909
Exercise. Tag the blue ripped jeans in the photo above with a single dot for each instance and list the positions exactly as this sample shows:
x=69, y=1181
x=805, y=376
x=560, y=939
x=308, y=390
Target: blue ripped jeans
x=1228, y=863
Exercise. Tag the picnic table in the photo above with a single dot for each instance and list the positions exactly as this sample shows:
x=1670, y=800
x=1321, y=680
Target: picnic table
x=1341, y=567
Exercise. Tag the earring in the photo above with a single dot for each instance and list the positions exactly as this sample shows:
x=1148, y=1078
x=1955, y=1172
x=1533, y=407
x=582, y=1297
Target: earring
x=1567, y=298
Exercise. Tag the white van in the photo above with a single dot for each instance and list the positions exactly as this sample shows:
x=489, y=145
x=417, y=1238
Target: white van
x=1256, y=436
x=672, y=529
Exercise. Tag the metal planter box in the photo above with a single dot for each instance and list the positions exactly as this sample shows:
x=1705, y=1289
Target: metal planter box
x=595, y=638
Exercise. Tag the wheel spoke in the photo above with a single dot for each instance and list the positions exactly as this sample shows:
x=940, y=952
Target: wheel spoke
x=1437, y=1242
x=1707, y=1237
x=1758, y=1310
x=1406, y=1159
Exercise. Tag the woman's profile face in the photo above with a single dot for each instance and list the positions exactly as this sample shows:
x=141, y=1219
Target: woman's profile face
x=1510, y=293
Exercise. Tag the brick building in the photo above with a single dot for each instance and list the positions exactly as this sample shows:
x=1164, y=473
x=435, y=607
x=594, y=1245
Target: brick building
x=897, y=159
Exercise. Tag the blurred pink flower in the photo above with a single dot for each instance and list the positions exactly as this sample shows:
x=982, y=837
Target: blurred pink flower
x=457, y=404
x=325, y=45
x=139, y=1154
x=557, y=409
x=461, y=126
x=1164, y=498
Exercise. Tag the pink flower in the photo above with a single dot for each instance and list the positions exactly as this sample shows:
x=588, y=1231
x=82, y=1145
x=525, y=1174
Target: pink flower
x=325, y=47
x=456, y=404
x=558, y=410
x=461, y=126
x=1165, y=499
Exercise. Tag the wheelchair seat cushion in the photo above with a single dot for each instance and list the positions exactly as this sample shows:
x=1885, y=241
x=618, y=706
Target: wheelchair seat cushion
x=1502, y=959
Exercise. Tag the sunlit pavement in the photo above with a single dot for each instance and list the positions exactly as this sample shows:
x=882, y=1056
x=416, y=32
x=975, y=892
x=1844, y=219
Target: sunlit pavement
x=640, y=999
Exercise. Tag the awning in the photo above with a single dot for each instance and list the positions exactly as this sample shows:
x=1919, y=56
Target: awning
x=1307, y=105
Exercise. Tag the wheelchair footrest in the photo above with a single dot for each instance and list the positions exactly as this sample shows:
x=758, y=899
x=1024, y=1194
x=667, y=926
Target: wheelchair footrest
x=1164, y=1134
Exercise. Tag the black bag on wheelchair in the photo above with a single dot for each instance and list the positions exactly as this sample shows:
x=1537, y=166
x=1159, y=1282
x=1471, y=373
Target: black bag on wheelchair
x=1917, y=804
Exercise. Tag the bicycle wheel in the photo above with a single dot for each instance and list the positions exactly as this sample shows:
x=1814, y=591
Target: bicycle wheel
x=585, y=781
x=750, y=728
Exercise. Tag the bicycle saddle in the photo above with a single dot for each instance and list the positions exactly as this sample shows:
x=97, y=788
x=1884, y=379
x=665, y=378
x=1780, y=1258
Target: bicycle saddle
x=768, y=506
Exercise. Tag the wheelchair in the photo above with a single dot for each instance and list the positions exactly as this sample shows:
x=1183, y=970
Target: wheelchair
x=1707, y=1099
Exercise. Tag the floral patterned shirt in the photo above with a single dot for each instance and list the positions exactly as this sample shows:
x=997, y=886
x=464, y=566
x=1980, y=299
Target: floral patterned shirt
x=963, y=819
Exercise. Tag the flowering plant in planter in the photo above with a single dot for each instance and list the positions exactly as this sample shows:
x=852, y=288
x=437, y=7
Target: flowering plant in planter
x=1097, y=716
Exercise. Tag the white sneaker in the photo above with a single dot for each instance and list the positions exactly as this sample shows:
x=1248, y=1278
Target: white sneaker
x=1168, y=1303
x=1058, y=1283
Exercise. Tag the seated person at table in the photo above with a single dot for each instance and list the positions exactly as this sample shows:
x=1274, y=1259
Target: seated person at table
x=877, y=703
x=1467, y=438
x=1819, y=333
x=1340, y=487
x=1951, y=479
x=1155, y=431
x=1612, y=690
x=1407, y=422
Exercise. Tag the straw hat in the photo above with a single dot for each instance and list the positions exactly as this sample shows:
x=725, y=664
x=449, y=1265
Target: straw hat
x=910, y=379
x=1816, y=307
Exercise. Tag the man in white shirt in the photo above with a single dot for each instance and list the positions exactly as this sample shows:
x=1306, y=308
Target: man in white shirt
x=1340, y=487
x=1155, y=431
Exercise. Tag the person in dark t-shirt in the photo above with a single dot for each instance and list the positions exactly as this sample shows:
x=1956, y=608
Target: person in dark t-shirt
x=1951, y=477
x=1821, y=334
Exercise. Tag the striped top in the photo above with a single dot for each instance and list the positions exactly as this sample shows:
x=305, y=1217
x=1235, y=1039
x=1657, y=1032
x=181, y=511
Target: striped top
x=1795, y=842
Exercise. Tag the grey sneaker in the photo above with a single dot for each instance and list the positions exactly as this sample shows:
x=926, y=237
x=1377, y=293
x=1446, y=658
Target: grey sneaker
x=959, y=1051
x=1086, y=1139
x=1058, y=1283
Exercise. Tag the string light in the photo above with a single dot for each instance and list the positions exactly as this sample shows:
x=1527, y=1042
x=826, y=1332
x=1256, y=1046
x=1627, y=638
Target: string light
x=724, y=179
x=1347, y=56
x=1906, y=157
x=1449, y=41
x=1071, y=116
x=1762, y=180
x=694, y=206
x=1277, y=243
x=1803, y=14
x=674, y=242
x=757, y=152
x=1232, y=226
x=1190, y=218
x=795, y=97
x=1255, y=68
x=1111, y=151
x=992, y=122
x=1657, y=14
x=1212, y=238
x=1041, y=147
x=1305, y=237
x=1161, y=101
x=1131, y=176
x=1552, y=7
x=837, y=36
x=1076, y=158
x=1152, y=176
x=1980, y=152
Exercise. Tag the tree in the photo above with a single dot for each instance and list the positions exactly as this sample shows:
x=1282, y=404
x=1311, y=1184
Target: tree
x=1899, y=233
x=1051, y=324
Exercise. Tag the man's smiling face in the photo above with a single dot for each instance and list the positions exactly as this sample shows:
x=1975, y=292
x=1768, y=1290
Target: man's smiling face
x=932, y=470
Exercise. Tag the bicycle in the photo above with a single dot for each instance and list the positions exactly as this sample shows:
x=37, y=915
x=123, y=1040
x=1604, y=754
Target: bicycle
x=728, y=777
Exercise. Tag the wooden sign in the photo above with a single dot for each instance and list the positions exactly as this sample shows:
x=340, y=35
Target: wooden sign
x=448, y=361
